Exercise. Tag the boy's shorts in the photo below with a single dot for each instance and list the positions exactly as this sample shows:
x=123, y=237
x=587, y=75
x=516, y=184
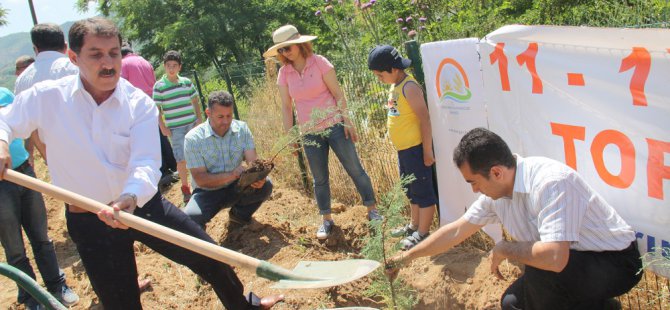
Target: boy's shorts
x=420, y=191
x=177, y=140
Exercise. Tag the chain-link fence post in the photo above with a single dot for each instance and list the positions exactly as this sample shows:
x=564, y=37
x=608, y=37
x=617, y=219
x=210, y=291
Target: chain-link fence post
x=200, y=94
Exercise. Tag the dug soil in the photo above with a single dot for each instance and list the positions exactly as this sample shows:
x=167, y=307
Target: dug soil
x=283, y=233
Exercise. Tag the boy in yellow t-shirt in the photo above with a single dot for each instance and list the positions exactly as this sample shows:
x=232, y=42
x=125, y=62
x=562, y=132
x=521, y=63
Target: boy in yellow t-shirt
x=409, y=129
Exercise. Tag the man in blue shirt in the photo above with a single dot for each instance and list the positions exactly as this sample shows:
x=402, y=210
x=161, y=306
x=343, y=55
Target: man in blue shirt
x=216, y=152
x=23, y=207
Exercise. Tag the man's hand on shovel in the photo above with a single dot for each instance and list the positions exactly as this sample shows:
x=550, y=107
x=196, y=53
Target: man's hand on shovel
x=126, y=203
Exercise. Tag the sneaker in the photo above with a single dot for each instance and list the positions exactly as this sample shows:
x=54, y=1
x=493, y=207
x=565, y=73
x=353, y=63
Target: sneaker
x=66, y=296
x=373, y=215
x=404, y=231
x=411, y=241
x=325, y=229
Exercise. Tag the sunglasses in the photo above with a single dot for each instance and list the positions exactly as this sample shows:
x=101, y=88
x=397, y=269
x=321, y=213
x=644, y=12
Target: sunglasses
x=284, y=49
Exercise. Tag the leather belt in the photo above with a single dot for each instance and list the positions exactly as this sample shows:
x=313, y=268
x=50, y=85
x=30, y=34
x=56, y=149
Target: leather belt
x=23, y=167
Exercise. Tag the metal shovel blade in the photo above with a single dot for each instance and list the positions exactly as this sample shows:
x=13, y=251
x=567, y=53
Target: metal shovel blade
x=327, y=274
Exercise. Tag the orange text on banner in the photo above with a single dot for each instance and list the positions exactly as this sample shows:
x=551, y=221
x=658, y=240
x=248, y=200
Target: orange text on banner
x=657, y=169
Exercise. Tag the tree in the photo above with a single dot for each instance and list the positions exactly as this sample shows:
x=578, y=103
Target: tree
x=206, y=32
x=3, y=14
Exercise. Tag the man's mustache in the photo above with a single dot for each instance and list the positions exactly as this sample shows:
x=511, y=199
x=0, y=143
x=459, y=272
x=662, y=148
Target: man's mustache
x=107, y=72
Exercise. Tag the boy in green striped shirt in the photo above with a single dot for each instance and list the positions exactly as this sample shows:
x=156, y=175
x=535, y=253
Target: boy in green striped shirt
x=179, y=110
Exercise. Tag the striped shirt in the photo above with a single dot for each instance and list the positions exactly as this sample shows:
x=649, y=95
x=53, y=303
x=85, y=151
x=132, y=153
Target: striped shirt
x=551, y=202
x=204, y=148
x=174, y=100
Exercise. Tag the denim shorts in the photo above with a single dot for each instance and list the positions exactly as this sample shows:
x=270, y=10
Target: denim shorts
x=177, y=140
x=421, y=191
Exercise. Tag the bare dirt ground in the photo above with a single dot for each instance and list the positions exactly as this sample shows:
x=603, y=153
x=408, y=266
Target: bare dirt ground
x=283, y=233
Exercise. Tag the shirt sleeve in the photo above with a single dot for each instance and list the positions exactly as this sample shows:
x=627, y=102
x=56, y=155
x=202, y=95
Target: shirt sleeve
x=192, y=153
x=194, y=93
x=19, y=119
x=323, y=64
x=145, y=157
x=562, y=211
x=481, y=212
x=157, y=96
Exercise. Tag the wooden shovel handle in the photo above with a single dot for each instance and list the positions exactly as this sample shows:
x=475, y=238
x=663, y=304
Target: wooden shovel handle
x=175, y=237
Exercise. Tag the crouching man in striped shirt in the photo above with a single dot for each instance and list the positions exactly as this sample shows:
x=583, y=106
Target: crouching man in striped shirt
x=579, y=253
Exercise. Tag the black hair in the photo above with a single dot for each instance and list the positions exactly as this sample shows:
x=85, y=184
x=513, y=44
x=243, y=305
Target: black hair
x=172, y=55
x=97, y=26
x=47, y=37
x=482, y=149
x=221, y=98
x=126, y=49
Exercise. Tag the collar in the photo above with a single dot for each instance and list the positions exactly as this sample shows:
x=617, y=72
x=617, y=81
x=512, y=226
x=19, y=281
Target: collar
x=165, y=79
x=308, y=62
x=520, y=185
x=49, y=55
x=78, y=87
x=234, y=127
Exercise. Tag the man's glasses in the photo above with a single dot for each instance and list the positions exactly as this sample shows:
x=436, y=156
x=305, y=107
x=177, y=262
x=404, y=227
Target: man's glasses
x=281, y=50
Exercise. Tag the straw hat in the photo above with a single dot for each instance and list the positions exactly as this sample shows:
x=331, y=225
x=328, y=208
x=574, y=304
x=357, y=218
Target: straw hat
x=285, y=36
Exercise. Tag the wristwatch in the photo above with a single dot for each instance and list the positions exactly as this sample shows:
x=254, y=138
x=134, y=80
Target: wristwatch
x=131, y=195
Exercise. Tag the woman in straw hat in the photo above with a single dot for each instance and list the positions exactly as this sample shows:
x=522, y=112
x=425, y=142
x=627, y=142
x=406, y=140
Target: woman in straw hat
x=308, y=81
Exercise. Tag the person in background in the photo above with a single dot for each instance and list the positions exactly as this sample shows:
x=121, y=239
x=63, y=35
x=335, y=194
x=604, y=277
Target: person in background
x=216, y=152
x=23, y=209
x=103, y=145
x=139, y=72
x=577, y=251
x=51, y=63
x=179, y=109
x=410, y=132
x=308, y=82
x=22, y=62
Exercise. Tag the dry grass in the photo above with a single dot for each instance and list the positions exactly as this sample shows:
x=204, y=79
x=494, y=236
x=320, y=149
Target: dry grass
x=380, y=161
x=375, y=151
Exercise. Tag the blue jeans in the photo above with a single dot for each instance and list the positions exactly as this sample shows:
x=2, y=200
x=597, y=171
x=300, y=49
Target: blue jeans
x=317, y=156
x=23, y=207
x=205, y=204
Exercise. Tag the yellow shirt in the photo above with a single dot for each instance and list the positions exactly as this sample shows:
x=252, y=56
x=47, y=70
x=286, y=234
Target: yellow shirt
x=402, y=123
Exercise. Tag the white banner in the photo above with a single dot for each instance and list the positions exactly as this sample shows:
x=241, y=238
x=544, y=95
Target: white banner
x=597, y=99
x=456, y=104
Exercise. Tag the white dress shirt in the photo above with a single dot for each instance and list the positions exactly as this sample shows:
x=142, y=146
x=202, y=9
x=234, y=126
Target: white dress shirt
x=48, y=65
x=551, y=202
x=98, y=151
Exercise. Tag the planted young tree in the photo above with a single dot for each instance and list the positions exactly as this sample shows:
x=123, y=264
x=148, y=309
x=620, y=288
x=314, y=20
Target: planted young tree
x=380, y=246
x=289, y=142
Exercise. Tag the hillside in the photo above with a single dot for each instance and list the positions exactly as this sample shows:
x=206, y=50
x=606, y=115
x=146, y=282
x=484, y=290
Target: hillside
x=13, y=46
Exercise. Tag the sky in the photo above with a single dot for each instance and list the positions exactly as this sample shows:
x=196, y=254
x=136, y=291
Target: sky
x=53, y=11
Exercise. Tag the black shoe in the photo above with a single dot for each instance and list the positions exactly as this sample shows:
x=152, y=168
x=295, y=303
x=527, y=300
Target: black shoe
x=233, y=218
x=167, y=180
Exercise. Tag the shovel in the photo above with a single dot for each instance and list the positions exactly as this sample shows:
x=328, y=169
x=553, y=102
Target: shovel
x=306, y=274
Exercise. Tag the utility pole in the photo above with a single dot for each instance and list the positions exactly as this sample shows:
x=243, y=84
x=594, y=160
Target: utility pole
x=32, y=12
